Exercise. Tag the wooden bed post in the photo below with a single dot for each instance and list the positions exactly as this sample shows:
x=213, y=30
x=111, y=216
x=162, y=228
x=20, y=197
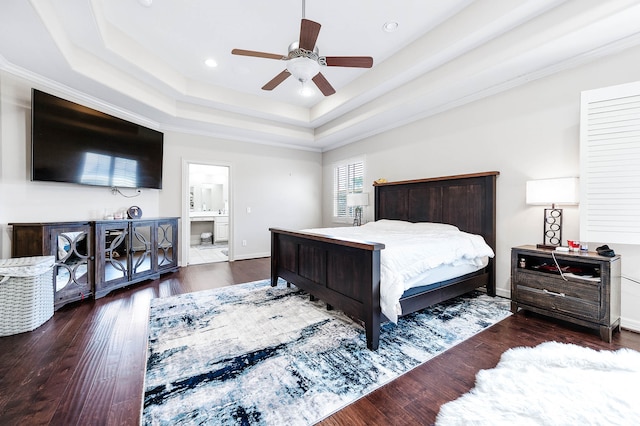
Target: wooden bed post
x=372, y=306
x=275, y=253
x=491, y=186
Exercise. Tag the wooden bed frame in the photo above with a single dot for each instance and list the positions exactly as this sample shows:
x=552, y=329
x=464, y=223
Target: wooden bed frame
x=346, y=273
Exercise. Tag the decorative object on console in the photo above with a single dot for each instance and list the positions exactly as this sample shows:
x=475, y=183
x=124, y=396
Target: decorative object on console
x=134, y=212
x=358, y=200
x=553, y=192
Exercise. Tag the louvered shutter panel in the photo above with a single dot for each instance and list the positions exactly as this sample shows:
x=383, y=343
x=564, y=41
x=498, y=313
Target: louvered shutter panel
x=340, y=192
x=610, y=165
x=348, y=179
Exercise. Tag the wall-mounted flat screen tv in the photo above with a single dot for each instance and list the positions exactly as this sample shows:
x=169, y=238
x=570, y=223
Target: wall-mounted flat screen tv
x=76, y=144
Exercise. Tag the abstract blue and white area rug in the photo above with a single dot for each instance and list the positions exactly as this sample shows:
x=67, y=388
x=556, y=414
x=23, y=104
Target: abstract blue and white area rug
x=256, y=354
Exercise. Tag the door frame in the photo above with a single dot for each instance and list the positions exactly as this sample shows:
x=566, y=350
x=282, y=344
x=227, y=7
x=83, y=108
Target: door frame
x=186, y=222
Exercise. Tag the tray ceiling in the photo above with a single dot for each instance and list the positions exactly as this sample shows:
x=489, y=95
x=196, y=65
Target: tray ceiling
x=144, y=60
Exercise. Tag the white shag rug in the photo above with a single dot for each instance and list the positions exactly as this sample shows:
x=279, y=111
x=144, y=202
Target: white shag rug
x=552, y=384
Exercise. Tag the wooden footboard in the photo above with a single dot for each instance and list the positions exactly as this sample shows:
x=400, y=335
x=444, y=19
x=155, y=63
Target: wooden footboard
x=343, y=273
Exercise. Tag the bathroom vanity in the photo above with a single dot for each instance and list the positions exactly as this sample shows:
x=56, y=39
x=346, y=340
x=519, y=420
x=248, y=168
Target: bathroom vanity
x=205, y=222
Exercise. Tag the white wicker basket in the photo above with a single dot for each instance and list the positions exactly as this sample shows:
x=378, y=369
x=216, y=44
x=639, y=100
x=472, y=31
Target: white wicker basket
x=26, y=293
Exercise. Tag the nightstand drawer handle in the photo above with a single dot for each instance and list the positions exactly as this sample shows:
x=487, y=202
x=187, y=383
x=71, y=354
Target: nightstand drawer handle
x=553, y=293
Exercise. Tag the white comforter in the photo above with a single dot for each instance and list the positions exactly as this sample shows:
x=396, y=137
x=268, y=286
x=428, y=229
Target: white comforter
x=412, y=249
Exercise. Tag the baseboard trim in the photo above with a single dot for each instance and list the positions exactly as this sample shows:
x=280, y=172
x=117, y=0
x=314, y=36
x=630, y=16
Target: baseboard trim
x=251, y=256
x=631, y=325
x=503, y=293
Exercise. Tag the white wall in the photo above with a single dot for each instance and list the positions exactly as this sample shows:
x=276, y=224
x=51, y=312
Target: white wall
x=530, y=132
x=282, y=186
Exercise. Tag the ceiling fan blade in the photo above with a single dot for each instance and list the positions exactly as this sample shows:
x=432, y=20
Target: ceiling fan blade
x=350, y=61
x=275, y=81
x=324, y=86
x=309, y=31
x=257, y=54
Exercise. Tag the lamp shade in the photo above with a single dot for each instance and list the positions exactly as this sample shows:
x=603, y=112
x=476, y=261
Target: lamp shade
x=358, y=199
x=553, y=191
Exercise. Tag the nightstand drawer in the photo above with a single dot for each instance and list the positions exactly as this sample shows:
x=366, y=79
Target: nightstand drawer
x=586, y=290
x=558, y=302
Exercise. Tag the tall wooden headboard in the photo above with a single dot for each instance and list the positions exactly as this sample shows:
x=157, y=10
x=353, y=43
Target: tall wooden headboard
x=467, y=201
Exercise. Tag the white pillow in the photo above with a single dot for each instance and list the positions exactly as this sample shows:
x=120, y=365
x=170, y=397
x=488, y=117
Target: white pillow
x=432, y=226
x=389, y=225
x=401, y=225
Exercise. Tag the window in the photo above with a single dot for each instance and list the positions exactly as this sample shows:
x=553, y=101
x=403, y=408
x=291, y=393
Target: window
x=348, y=178
x=610, y=164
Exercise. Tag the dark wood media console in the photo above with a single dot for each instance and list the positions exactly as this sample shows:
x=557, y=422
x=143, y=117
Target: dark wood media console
x=94, y=258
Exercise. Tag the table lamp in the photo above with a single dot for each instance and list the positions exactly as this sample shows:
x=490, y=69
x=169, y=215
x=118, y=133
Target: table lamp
x=358, y=200
x=552, y=192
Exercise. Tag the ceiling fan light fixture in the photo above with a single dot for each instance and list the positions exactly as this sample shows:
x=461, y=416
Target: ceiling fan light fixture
x=306, y=90
x=303, y=69
x=304, y=61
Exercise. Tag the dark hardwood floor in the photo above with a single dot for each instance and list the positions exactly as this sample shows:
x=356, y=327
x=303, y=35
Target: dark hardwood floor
x=85, y=366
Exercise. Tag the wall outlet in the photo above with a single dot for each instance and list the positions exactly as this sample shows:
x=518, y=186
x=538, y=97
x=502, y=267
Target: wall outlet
x=248, y=209
x=244, y=243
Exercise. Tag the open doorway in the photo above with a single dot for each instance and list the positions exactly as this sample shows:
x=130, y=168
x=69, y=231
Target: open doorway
x=208, y=213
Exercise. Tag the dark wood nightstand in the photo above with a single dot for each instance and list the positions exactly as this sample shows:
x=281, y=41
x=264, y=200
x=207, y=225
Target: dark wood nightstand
x=586, y=293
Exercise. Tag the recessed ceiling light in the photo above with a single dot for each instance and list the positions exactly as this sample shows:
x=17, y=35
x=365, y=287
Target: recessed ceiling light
x=211, y=63
x=145, y=3
x=390, y=26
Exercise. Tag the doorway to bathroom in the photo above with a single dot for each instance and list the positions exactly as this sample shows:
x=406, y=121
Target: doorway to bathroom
x=208, y=207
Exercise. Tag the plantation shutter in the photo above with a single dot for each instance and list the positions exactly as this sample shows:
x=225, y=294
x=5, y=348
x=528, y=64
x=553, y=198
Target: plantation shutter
x=348, y=179
x=610, y=165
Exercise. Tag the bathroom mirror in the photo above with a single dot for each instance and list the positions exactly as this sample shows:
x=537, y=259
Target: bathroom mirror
x=208, y=188
x=207, y=197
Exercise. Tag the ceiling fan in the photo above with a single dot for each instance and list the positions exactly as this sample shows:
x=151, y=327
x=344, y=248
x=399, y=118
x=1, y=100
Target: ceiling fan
x=304, y=62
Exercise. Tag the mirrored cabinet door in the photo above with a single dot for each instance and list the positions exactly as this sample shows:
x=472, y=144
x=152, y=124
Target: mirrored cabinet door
x=73, y=275
x=112, y=246
x=167, y=236
x=71, y=243
x=141, y=254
